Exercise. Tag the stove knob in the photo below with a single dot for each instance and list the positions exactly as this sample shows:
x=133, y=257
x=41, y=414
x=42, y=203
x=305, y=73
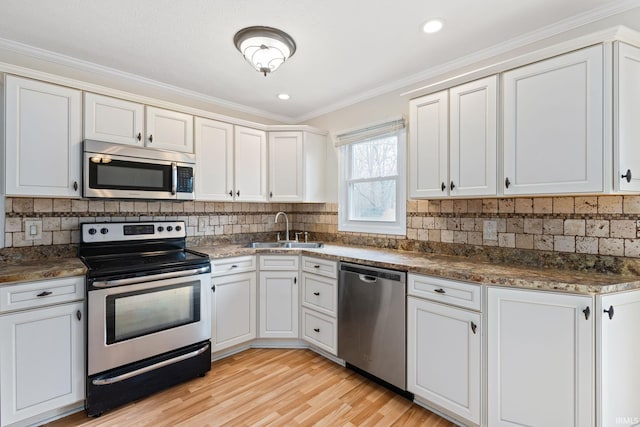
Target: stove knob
x=104, y=230
x=169, y=228
x=178, y=228
x=92, y=231
x=160, y=229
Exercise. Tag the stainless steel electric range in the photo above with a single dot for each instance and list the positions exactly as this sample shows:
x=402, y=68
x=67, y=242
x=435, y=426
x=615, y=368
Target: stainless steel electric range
x=148, y=310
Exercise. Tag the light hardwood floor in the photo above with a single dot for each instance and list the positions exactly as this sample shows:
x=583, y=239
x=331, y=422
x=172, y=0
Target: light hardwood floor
x=269, y=387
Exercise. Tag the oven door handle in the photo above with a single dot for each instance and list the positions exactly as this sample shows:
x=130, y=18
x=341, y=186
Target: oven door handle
x=143, y=279
x=135, y=373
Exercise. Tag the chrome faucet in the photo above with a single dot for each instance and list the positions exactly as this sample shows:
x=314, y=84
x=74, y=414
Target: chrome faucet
x=286, y=218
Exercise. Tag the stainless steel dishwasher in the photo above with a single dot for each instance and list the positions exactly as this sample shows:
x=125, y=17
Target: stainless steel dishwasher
x=371, y=321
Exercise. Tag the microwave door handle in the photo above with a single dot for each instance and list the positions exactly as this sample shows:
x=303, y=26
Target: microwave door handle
x=174, y=178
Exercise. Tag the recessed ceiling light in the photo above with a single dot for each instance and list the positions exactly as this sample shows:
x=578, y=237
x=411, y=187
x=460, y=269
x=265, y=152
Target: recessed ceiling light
x=432, y=26
x=284, y=96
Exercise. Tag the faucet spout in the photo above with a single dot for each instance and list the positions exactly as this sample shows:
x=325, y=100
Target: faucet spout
x=286, y=218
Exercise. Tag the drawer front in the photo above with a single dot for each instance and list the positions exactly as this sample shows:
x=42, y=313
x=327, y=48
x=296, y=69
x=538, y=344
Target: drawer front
x=319, y=293
x=44, y=292
x=320, y=330
x=279, y=262
x=321, y=266
x=461, y=294
x=224, y=266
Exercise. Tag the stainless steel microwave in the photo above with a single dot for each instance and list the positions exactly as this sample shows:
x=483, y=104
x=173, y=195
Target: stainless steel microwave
x=122, y=171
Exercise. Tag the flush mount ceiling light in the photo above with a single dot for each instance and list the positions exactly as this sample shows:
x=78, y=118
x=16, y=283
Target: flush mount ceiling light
x=265, y=48
x=432, y=26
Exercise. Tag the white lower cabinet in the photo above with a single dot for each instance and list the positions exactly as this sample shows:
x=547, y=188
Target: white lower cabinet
x=540, y=352
x=278, y=296
x=42, y=354
x=618, y=335
x=444, y=352
x=233, y=302
x=319, y=303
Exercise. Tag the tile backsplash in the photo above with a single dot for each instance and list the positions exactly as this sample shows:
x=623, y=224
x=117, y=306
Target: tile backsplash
x=595, y=227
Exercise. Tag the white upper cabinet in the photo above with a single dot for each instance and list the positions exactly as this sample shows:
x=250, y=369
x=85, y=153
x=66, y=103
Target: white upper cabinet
x=43, y=126
x=553, y=125
x=169, y=130
x=296, y=166
x=472, y=138
x=214, y=160
x=428, y=145
x=124, y=122
x=113, y=120
x=626, y=129
x=250, y=165
x=453, y=141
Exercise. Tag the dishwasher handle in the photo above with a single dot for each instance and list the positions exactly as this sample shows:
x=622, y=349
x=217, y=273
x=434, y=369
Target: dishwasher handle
x=367, y=279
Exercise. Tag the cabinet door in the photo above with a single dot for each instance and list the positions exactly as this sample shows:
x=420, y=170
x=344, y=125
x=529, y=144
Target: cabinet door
x=626, y=126
x=169, y=130
x=234, y=310
x=41, y=361
x=473, y=140
x=428, y=146
x=214, y=160
x=314, y=153
x=540, y=359
x=43, y=139
x=285, y=174
x=619, y=371
x=250, y=165
x=553, y=125
x=113, y=120
x=443, y=356
x=279, y=304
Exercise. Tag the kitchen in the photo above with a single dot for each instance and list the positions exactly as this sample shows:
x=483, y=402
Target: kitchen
x=455, y=236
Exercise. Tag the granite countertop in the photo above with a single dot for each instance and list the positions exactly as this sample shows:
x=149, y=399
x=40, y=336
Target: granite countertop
x=448, y=267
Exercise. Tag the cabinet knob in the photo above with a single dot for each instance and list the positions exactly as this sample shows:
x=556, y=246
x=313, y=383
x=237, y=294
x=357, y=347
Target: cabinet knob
x=150, y=138
x=44, y=294
x=75, y=185
x=316, y=266
x=238, y=193
x=627, y=175
x=79, y=315
x=440, y=291
x=452, y=186
x=587, y=313
x=139, y=137
x=270, y=193
x=230, y=193
x=507, y=183
x=473, y=327
x=316, y=329
x=316, y=293
x=443, y=186
x=213, y=288
x=610, y=312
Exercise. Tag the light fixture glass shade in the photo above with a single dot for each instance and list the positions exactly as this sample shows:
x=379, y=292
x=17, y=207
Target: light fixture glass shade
x=265, y=48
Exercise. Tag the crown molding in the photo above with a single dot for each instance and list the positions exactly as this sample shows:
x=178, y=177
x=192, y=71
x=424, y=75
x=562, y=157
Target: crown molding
x=485, y=54
x=86, y=66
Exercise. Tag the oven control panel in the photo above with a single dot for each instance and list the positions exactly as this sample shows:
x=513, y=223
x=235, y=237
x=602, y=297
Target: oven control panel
x=101, y=232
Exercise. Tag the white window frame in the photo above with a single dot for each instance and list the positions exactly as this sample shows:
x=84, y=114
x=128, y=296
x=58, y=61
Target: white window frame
x=398, y=227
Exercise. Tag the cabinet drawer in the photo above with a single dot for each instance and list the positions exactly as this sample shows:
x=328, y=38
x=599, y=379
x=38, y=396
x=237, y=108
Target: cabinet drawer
x=320, y=330
x=461, y=294
x=279, y=262
x=220, y=267
x=319, y=293
x=320, y=266
x=45, y=292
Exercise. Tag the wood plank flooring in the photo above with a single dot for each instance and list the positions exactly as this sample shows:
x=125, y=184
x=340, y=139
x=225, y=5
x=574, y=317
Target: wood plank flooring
x=269, y=387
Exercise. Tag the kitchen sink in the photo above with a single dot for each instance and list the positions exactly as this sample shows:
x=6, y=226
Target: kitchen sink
x=286, y=245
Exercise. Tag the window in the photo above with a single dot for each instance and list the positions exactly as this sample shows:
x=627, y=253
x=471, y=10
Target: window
x=372, y=184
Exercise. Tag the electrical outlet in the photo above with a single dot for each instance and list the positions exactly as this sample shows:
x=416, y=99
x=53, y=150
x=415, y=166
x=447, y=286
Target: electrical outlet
x=32, y=229
x=490, y=230
x=202, y=225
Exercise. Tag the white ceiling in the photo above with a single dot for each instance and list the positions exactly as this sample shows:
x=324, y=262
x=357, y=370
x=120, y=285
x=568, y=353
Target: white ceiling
x=347, y=49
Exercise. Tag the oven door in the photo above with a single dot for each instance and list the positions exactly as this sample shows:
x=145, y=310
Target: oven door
x=135, y=321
